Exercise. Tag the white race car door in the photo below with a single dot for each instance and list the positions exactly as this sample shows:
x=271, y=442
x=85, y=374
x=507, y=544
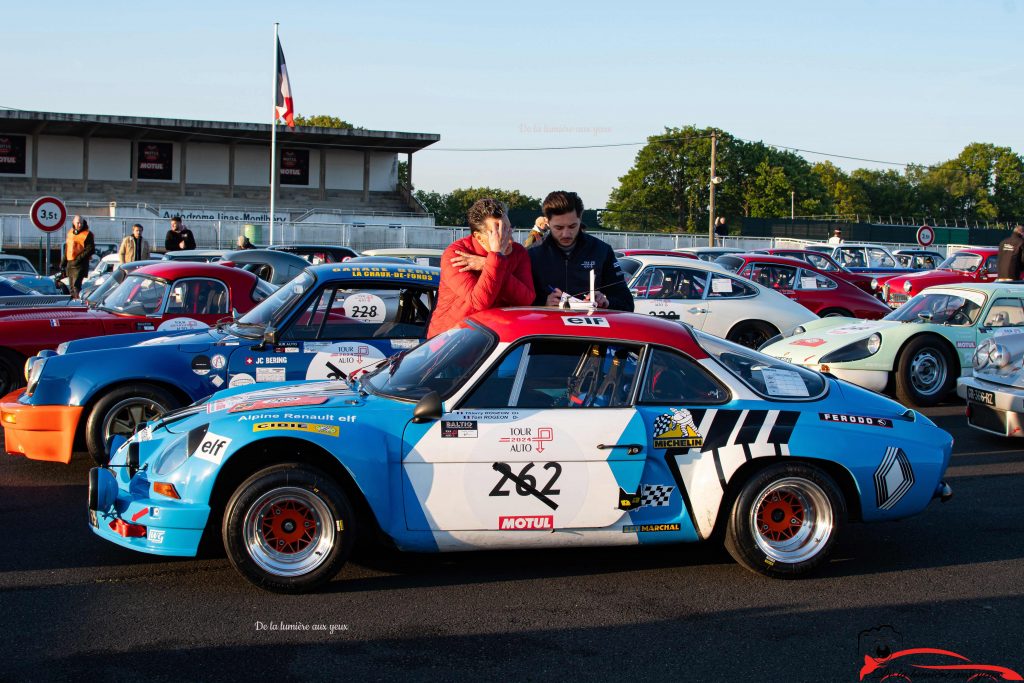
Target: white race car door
x=544, y=441
x=672, y=292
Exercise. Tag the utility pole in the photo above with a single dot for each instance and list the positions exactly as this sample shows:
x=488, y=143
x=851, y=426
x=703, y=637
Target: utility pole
x=792, y=205
x=711, y=204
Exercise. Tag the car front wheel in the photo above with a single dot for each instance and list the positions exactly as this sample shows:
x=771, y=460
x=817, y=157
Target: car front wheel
x=924, y=373
x=784, y=520
x=288, y=528
x=121, y=411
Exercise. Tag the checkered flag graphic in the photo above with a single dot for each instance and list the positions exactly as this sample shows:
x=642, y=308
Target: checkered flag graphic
x=655, y=495
x=662, y=424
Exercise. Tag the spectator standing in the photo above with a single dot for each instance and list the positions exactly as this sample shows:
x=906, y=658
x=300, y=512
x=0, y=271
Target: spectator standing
x=179, y=238
x=134, y=247
x=721, y=231
x=837, y=237
x=244, y=243
x=537, y=233
x=1011, y=255
x=484, y=270
x=564, y=260
x=78, y=249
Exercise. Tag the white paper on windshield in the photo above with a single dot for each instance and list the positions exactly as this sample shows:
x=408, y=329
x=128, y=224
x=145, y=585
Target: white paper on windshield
x=783, y=382
x=808, y=283
x=721, y=284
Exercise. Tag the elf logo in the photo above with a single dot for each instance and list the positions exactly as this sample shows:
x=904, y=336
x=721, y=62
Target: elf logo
x=536, y=523
x=585, y=321
x=212, y=448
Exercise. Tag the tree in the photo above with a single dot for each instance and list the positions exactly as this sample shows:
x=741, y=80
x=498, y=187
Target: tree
x=403, y=174
x=451, y=208
x=323, y=121
x=842, y=196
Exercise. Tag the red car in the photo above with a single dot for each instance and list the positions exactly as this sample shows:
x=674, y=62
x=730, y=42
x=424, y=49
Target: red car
x=967, y=265
x=824, y=263
x=811, y=288
x=167, y=296
x=629, y=265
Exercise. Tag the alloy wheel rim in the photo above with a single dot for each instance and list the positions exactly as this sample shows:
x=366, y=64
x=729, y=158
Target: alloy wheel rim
x=927, y=372
x=288, y=531
x=791, y=520
x=125, y=417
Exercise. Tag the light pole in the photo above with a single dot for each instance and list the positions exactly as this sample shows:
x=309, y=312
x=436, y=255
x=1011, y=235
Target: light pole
x=792, y=205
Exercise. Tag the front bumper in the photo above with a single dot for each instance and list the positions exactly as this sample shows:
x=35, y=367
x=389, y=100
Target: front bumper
x=1004, y=416
x=874, y=380
x=38, y=432
x=141, y=520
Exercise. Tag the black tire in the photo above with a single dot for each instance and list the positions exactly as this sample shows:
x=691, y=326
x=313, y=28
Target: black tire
x=120, y=411
x=270, y=554
x=784, y=520
x=752, y=334
x=12, y=372
x=835, y=313
x=924, y=372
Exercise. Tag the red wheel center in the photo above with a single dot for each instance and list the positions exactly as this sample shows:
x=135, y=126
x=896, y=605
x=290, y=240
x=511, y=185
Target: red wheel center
x=288, y=526
x=780, y=516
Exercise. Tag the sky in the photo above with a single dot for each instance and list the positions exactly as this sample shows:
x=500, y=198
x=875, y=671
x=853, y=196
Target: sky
x=888, y=80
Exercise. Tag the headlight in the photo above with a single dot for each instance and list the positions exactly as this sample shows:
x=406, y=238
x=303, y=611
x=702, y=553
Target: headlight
x=874, y=283
x=855, y=351
x=172, y=456
x=62, y=348
x=33, y=371
x=999, y=356
x=799, y=329
x=907, y=286
x=981, y=354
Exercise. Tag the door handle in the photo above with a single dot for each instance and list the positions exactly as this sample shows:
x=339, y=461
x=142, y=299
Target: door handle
x=696, y=309
x=631, y=448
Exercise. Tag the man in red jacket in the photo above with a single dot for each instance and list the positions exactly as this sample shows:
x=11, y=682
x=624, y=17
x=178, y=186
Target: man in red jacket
x=505, y=278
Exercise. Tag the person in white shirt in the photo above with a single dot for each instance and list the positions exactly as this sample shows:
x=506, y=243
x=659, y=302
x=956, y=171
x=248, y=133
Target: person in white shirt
x=837, y=237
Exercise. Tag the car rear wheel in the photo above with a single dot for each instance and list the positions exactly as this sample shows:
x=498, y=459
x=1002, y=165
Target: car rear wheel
x=120, y=412
x=288, y=528
x=924, y=373
x=12, y=372
x=751, y=334
x=785, y=520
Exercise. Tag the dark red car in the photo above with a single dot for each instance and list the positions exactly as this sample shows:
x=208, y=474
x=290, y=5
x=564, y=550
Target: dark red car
x=826, y=264
x=811, y=288
x=966, y=265
x=166, y=296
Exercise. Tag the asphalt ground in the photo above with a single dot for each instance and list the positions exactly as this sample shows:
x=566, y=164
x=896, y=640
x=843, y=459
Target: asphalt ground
x=74, y=607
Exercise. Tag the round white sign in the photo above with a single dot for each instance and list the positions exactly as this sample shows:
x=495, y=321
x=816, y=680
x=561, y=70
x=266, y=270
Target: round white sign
x=925, y=235
x=48, y=214
x=366, y=308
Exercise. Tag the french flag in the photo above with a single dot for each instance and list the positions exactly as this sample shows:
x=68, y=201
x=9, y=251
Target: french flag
x=283, y=108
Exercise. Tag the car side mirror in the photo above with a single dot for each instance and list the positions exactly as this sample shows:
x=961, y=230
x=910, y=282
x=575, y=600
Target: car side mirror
x=427, y=408
x=982, y=272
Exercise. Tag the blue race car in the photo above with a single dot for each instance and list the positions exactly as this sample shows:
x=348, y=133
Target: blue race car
x=529, y=428
x=325, y=323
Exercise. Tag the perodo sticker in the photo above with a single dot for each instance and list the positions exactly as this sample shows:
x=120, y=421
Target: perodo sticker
x=324, y=430
x=366, y=308
x=459, y=429
x=676, y=430
x=648, y=495
x=279, y=402
x=212, y=448
x=856, y=420
x=201, y=365
x=585, y=321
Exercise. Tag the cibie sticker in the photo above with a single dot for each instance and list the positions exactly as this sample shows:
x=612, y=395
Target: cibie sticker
x=676, y=430
x=585, y=321
x=182, y=324
x=324, y=430
x=212, y=448
x=366, y=308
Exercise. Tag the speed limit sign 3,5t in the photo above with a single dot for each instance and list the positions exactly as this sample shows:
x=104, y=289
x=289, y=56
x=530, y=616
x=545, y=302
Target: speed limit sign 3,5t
x=925, y=235
x=48, y=214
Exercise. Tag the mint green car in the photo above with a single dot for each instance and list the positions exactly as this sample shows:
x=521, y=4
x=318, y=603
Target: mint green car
x=919, y=350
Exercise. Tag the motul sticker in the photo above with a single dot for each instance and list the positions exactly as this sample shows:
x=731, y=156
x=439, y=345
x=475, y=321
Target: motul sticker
x=536, y=523
x=965, y=345
x=585, y=321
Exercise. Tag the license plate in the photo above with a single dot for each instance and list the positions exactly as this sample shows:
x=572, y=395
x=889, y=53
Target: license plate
x=987, y=398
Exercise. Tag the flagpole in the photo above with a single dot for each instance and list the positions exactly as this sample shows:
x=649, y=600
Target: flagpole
x=273, y=136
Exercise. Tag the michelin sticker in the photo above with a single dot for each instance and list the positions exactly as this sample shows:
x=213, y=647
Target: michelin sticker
x=342, y=360
x=676, y=430
x=177, y=324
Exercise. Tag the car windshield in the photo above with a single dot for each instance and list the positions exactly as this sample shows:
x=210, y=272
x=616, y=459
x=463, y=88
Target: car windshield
x=730, y=263
x=272, y=309
x=770, y=377
x=16, y=265
x=137, y=295
x=440, y=364
x=940, y=309
x=963, y=261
